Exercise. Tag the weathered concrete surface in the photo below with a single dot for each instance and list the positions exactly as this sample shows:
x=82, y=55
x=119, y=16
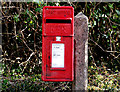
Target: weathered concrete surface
x=81, y=52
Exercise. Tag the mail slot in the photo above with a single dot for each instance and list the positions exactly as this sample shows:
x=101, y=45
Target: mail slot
x=57, y=43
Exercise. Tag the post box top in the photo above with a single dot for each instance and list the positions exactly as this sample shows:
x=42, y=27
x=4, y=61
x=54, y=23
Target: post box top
x=58, y=12
x=64, y=7
x=58, y=21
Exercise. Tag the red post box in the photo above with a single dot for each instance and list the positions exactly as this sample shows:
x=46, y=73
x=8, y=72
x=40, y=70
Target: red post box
x=57, y=43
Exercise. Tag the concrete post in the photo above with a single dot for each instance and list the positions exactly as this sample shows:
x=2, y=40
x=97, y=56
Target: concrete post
x=81, y=52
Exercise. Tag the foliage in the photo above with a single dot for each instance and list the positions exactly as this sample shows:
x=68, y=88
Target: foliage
x=33, y=83
x=102, y=78
x=22, y=41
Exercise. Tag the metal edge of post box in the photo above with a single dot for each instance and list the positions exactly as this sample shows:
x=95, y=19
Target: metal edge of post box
x=45, y=50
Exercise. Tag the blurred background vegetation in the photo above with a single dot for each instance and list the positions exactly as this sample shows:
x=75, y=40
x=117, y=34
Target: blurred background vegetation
x=22, y=46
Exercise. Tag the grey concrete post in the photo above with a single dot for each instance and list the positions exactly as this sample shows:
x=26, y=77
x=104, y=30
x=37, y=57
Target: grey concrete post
x=81, y=52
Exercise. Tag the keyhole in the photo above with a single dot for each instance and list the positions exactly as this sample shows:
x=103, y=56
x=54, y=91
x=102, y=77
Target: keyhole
x=49, y=57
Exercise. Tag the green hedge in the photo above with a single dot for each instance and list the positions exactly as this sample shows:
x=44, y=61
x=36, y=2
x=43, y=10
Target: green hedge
x=22, y=45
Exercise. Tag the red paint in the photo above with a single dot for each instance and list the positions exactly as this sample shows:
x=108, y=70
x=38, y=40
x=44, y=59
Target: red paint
x=50, y=30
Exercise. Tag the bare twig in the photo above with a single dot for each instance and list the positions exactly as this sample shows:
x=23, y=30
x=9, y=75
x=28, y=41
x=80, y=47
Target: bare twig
x=112, y=21
x=102, y=48
x=24, y=40
x=69, y=2
x=92, y=57
x=94, y=9
x=26, y=62
x=34, y=42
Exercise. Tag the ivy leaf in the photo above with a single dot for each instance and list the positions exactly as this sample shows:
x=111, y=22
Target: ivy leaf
x=16, y=18
x=25, y=21
x=37, y=9
x=118, y=12
x=31, y=22
x=5, y=81
x=110, y=5
x=114, y=26
x=104, y=7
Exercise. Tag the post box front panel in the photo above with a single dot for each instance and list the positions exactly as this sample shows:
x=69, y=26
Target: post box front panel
x=57, y=44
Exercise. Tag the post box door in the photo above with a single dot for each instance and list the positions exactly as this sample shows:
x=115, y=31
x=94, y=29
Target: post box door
x=58, y=71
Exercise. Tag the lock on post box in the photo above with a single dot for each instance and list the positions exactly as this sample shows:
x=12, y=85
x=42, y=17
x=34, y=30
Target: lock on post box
x=57, y=43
